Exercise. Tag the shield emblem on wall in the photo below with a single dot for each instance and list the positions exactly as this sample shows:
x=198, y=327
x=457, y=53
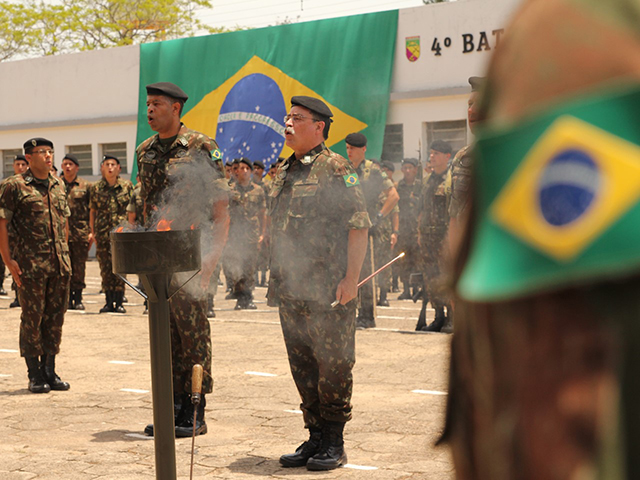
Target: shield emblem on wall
x=413, y=48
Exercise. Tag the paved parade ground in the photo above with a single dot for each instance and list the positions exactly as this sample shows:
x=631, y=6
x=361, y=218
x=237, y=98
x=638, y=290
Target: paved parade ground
x=94, y=431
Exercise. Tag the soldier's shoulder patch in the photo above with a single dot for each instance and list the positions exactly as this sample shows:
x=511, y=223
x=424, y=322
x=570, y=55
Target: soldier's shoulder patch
x=351, y=179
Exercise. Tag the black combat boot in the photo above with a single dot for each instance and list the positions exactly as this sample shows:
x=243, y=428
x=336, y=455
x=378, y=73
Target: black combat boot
x=118, y=298
x=15, y=303
x=406, y=292
x=305, y=451
x=263, y=279
x=210, y=312
x=2, y=290
x=365, y=319
x=240, y=301
x=248, y=301
x=146, y=307
x=37, y=383
x=438, y=322
x=71, y=300
x=77, y=301
x=331, y=454
x=383, y=301
x=48, y=366
x=422, y=318
x=178, y=400
x=184, y=424
x=108, y=306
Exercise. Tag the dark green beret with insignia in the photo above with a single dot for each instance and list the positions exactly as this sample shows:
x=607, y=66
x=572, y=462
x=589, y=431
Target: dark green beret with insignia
x=357, y=140
x=36, y=142
x=313, y=104
x=20, y=157
x=167, y=89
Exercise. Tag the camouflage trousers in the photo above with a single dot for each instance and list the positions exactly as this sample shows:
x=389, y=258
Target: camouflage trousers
x=110, y=281
x=190, y=340
x=320, y=344
x=432, y=263
x=547, y=387
x=381, y=255
x=79, y=252
x=408, y=243
x=44, y=301
x=241, y=263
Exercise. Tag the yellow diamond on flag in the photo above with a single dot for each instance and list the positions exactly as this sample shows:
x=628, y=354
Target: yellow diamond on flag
x=206, y=116
x=575, y=182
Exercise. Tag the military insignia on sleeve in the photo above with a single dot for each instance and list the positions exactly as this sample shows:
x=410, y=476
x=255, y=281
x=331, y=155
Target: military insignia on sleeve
x=216, y=154
x=351, y=179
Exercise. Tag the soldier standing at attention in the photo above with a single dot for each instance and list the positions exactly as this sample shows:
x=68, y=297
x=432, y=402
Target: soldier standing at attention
x=374, y=183
x=34, y=204
x=80, y=238
x=433, y=222
x=174, y=153
x=247, y=212
x=108, y=202
x=409, y=190
x=263, y=250
x=20, y=166
x=319, y=225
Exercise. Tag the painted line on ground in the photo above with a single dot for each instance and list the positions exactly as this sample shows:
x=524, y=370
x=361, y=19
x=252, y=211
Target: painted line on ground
x=139, y=436
x=133, y=390
x=359, y=467
x=7, y=350
x=297, y=412
x=261, y=374
x=121, y=362
x=5, y=375
x=429, y=392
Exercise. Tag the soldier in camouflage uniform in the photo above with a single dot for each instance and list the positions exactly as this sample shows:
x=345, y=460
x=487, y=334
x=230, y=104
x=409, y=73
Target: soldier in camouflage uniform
x=78, y=190
x=391, y=226
x=409, y=189
x=182, y=179
x=433, y=222
x=263, y=251
x=374, y=183
x=108, y=202
x=247, y=208
x=35, y=205
x=20, y=166
x=319, y=226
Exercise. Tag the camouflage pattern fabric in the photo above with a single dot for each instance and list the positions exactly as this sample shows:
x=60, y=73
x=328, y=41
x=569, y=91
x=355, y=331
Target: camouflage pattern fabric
x=78, y=192
x=79, y=254
x=44, y=302
x=312, y=210
x=547, y=386
x=382, y=247
x=110, y=204
x=263, y=249
x=246, y=208
x=110, y=281
x=315, y=202
x=159, y=168
x=320, y=345
x=433, y=222
x=409, y=207
x=458, y=184
x=136, y=205
x=37, y=215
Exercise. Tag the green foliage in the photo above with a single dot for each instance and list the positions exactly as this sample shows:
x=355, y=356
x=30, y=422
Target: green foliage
x=34, y=28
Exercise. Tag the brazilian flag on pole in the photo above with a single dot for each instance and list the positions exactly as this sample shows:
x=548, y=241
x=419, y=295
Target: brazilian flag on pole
x=240, y=84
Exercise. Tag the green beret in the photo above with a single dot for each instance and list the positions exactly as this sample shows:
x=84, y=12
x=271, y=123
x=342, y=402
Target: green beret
x=37, y=142
x=167, y=89
x=313, y=104
x=357, y=140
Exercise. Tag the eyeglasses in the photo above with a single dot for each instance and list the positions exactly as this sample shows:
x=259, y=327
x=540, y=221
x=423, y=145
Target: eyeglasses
x=43, y=152
x=296, y=117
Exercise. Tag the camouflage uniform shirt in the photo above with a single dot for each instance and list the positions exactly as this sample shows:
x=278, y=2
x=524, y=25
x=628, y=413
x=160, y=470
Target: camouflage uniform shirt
x=78, y=192
x=314, y=204
x=37, y=216
x=459, y=182
x=110, y=204
x=246, y=204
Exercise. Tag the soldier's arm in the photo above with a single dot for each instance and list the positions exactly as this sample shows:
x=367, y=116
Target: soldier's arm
x=5, y=251
x=390, y=202
x=356, y=250
x=219, y=233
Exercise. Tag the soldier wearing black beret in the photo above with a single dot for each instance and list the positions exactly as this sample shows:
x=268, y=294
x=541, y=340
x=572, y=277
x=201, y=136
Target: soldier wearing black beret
x=263, y=253
x=409, y=188
x=20, y=165
x=320, y=111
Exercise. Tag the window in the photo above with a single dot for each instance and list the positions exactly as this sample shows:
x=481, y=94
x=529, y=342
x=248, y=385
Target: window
x=118, y=150
x=393, y=144
x=453, y=132
x=83, y=154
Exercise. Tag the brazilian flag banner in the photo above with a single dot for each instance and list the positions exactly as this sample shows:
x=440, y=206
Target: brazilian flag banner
x=240, y=84
x=558, y=199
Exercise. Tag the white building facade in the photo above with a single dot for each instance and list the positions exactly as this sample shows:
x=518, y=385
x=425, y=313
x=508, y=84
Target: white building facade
x=86, y=103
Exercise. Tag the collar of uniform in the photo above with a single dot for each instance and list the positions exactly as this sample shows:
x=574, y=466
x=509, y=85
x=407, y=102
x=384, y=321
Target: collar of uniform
x=29, y=177
x=181, y=138
x=312, y=154
x=72, y=182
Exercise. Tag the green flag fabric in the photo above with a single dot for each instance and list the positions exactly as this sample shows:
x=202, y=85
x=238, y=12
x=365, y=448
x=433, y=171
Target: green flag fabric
x=558, y=198
x=240, y=84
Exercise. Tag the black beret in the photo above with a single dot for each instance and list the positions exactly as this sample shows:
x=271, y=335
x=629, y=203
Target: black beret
x=70, y=156
x=167, y=89
x=412, y=161
x=357, y=140
x=280, y=160
x=258, y=164
x=110, y=157
x=313, y=104
x=388, y=165
x=20, y=157
x=440, y=146
x=476, y=83
x=37, y=142
x=246, y=161
x=235, y=161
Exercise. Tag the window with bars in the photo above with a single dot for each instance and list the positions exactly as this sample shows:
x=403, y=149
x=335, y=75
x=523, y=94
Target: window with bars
x=118, y=150
x=7, y=161
x=85, y=158
x=453, y=132
x=393, y=143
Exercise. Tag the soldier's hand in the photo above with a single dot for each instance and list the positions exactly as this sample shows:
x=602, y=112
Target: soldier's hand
x=346, y=291
x=394, y=239
x=14, y=270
